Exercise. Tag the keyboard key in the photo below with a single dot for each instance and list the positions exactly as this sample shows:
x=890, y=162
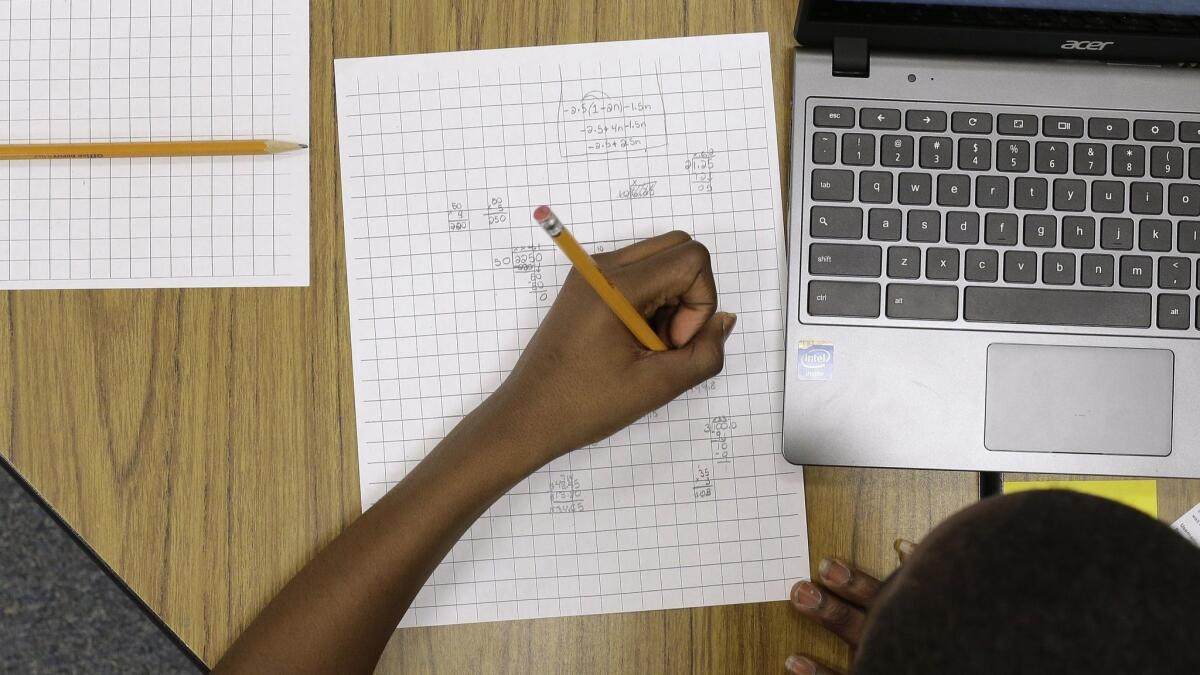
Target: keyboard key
x=1183, y=199
x=1057, y=126
x=1070, y=194
x=982, y=265
x=833, y=116
x=845, y=260
x=1116, y=234
x=832, y=185
x=1174, y=273
x=858, y=149
x=914, y=189
x=896, y=151
x=1189, y=236
x=925, y=120
x=1031, y=193
x=936, y=152
x=1189, y=132
x=1137, y=271
x=1153, y=130
x=1166, y=162
x=924, y=226
x=1129, y=161
x=1108, y=196
x=1017, y=125
x=962, y=227
x=1097, y=269
x=1146, y=198
x=1194, y=163
x=1174, y=312
x=953, y=189
x=875, y=187
x=974, y=154
x=884, y=225
x=904, y=262
x=1020, y=267
x=844, y=298
x=991, y=192
x=1108, y=128
x=1079, y=232
x=1058, y=269
x=1057, y=307
x=1000, y=229
x=1091, y=159
x=1012, y=155
x=971, y=123
x=1154, y=235
x=835, y=222
x=913, y=301
x=824, y=149
x=879, y=118
x=1041, y=231
x=941, y=264
x=1051, y=157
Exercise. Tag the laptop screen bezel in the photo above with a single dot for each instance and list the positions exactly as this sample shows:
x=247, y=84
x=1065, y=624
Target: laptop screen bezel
x=1002, y=30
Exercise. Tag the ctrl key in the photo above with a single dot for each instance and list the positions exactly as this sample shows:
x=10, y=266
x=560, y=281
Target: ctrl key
x=843, y=298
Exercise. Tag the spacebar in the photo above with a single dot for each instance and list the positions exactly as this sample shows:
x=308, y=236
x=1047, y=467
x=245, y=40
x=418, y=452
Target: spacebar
x=1109, y=309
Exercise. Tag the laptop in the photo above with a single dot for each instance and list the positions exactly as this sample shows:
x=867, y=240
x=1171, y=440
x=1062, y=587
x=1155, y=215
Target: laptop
x=995, y=236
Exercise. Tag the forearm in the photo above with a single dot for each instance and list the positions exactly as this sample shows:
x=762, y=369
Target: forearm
x=337, y=614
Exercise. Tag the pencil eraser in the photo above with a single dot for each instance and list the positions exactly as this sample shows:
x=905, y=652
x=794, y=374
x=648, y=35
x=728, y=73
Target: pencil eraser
x=541, y=213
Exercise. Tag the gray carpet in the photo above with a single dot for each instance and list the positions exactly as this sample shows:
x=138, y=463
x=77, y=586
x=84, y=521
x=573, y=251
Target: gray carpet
x=59, y=612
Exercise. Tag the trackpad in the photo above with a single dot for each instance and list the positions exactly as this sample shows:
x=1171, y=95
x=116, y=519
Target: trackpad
x=1048, y=398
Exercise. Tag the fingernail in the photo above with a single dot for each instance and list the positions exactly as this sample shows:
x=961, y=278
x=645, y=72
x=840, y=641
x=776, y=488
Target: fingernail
x=835, y=572
x=798, y=665
x=904, y=548
x=728, y=323
x=806, y=595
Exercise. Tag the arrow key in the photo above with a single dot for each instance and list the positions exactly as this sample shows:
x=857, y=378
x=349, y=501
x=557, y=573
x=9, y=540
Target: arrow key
x=925, y=120
x=879, y=118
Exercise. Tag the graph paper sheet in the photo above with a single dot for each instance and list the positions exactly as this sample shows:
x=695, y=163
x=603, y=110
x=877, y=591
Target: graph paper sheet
x=151, y=70
x=444, y=156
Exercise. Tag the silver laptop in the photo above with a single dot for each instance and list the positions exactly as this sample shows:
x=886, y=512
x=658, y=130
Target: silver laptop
x=995, y=236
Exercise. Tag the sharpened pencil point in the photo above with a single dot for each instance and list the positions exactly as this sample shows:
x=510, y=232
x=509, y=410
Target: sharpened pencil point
x=303, y=146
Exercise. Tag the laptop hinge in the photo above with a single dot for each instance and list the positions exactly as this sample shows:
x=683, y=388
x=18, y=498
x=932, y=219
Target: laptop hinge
x=851, y=57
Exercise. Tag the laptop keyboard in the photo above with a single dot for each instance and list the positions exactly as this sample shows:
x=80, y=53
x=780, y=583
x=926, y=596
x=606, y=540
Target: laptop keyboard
x=1083, y=220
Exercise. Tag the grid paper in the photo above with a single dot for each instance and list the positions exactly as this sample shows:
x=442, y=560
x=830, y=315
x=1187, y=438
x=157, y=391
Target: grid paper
x=151, y=70
x=444, y=156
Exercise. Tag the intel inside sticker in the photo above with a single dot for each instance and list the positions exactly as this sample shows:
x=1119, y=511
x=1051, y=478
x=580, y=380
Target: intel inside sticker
x=815, y=360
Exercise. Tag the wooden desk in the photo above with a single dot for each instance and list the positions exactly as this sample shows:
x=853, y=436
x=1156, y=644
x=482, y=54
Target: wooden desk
x=202, y=441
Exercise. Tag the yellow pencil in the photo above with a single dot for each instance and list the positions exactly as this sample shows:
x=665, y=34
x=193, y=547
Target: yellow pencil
x=145, y=149
x=587, y=268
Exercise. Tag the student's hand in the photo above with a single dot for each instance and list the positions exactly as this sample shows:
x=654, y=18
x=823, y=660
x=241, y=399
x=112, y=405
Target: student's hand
x=584, y=376
x=839, y=602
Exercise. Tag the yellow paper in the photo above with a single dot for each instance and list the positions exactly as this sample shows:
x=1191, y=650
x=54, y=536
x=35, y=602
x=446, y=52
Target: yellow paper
x=1139, y=494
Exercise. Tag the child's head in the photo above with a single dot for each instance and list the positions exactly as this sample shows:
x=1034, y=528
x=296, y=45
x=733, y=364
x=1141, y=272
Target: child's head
x=1041, y=582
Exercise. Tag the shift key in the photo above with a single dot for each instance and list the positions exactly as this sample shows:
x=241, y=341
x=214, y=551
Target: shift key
x=843, y=298
x=845, y=260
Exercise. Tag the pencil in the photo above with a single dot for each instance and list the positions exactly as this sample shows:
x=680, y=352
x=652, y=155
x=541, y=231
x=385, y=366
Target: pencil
x=590, y=271
x=145, y=149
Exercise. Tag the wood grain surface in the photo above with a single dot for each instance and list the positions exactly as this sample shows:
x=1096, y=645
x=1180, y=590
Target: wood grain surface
x=202, y=441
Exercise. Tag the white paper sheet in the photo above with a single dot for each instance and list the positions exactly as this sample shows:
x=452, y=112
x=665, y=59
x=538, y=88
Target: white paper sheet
x=1188, y=525
x=444, y=156
x=129, y=70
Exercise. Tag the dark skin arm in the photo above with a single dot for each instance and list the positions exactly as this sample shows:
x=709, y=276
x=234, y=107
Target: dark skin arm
x=582, y=377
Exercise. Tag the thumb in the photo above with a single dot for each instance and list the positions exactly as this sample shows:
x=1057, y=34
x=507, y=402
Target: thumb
x=701, y=358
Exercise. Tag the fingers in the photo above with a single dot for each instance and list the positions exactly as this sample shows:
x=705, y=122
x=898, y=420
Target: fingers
x=680, y=274
x=851, y=584
x=700, y=359
x=797, y=664
x=904, y=548
x=834, y=614
x=642, y=249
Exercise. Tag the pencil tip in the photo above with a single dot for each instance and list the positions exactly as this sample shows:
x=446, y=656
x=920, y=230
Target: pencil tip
x=303, y=146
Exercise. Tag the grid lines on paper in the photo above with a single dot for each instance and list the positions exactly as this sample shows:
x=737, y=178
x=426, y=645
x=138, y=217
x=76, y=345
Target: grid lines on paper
x=138, y=70
x=450, y=278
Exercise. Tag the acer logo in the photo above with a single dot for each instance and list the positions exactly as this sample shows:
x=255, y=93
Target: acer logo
x=1085, y=45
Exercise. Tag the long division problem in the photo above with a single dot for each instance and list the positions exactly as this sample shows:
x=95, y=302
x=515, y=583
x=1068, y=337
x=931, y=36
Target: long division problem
x=443, y=158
